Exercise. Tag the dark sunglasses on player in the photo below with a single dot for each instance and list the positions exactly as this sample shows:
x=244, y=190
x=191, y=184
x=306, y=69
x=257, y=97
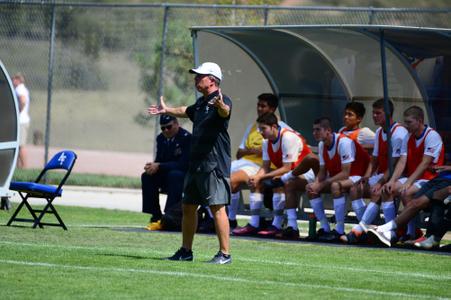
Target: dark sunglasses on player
x=167, y=127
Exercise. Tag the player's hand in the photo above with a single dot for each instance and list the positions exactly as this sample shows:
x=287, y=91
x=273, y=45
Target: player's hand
x=217, y=101
x=253, y=182
x=439, y=169
x=403, y=188
x=151, y=168
x=388, y=187
x=376, y=189
x=158, y=109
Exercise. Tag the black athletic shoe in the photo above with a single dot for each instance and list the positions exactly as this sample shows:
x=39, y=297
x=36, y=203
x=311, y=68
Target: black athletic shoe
x=221, y=259
x=182, y=254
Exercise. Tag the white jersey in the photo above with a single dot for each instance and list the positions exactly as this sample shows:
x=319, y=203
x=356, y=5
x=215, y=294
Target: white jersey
x=397, y=138
x=21, y=90
x=291, y=145
x=365, y=137
x=346, y=149
x=432, y=144
x=249, y=128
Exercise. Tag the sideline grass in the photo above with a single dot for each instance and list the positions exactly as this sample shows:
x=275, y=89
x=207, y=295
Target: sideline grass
x=106, y=254
x=81, y=179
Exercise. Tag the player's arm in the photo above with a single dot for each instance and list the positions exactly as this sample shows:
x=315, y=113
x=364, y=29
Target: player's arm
x=311, y=161
x=424, y=164
x=22, y=102
x=162, y=108
x=344, y=174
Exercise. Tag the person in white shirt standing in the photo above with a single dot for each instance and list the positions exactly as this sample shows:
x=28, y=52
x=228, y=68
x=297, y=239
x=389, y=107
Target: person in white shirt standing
x=23, y=97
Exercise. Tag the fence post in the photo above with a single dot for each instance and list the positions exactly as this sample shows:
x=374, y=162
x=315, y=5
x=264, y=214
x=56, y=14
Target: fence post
x=266, y=15
x=49, y=83
x=161, y=71
x=386, y=98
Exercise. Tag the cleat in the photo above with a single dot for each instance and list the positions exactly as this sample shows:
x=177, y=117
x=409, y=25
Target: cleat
x=155, y=226
x=288, y=233
x=427, y=243
x=386, y=237
x=406, y=239
x=366, y=227
x=245, y=231
x=330, y=236
x=221, y=259
x=269, y=232
x=182, y=254
x=350, y=238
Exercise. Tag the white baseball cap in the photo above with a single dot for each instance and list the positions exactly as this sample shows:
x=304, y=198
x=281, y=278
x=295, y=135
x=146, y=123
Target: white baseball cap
x=208, y=68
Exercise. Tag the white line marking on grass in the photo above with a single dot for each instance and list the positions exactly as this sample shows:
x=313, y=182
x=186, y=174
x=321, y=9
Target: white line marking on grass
x=219, y=278
x=260, y=261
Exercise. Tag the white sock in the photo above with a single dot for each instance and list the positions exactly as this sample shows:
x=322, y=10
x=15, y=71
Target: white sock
x=278, y=203
x=209, y=212
x=370, y=213
x=318, y=209
x=233, y=207
x=359, y=208
x=389, y=211
x=390, y=226
x=255, y=203
x=340, y=207
x=292, y=218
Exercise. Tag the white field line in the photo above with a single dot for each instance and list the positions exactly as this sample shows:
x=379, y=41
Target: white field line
x=384, y=272
x=219, y=278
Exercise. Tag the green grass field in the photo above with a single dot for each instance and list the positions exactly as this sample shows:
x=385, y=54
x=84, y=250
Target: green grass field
x=106, y=254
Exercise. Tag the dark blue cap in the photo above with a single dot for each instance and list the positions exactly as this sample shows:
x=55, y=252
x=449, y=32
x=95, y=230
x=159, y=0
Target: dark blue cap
x=164, y=119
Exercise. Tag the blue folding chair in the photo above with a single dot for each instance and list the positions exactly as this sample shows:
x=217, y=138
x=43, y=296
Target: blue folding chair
x=63, y=160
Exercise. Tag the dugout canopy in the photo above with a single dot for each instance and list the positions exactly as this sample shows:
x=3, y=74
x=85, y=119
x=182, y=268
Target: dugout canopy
x=9, y=131
x=315, y=70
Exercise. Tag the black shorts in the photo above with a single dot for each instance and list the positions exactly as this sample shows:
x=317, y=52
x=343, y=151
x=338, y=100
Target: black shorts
x=206, y=188
x=429, y=188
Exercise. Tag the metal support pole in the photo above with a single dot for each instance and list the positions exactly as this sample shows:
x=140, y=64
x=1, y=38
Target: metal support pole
x=386, y=99
x=196, y=59
x=161, y=72
x=49, y=84
x=266, y=14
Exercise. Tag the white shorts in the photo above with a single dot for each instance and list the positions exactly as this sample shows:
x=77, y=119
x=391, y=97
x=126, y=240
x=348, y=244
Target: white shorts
x=418, y=183
x=355, y=178
x=249, y=167
x=309, y=176
x=375, y=179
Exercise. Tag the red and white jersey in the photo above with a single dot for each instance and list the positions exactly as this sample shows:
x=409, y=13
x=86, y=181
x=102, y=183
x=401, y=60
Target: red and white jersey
x=343, y=151
x=364, y=135
x=290, y=147
x=380, y=151
x=429, y=143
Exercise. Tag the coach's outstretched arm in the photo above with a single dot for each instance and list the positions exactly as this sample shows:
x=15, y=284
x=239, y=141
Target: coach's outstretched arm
x=162, y=108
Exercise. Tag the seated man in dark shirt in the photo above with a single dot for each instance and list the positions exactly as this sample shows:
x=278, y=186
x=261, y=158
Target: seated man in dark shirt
x=167, y=172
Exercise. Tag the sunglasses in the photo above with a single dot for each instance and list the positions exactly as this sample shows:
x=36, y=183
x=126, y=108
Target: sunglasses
x=167, y=127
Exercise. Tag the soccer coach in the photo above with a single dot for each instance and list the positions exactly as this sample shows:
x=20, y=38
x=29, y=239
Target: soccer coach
x=207, y=181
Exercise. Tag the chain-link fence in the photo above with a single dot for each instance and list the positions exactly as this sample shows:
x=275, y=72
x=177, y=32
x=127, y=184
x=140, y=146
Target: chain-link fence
x=92, y=69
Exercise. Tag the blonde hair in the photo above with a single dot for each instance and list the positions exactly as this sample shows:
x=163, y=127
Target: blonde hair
x=19, y=77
